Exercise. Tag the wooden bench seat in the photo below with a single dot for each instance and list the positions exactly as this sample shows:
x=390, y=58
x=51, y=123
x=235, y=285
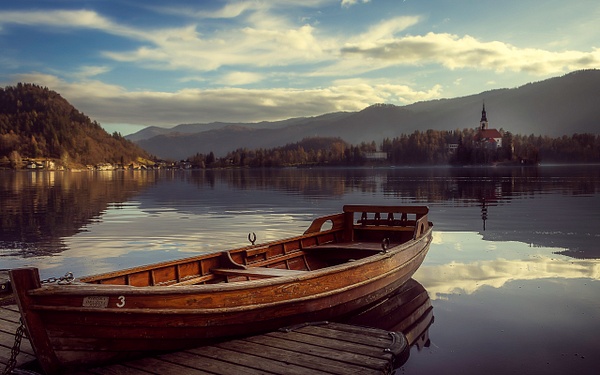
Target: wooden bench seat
x=344, y=251
x=386, y=228
x=194, y=280
x=361, y=246
x=258, y=272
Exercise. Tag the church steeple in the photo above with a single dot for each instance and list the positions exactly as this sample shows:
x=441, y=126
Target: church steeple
x=483, y=123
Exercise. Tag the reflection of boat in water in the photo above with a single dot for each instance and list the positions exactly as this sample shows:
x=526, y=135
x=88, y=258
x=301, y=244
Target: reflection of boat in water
x=408, y=310
x=322, y=274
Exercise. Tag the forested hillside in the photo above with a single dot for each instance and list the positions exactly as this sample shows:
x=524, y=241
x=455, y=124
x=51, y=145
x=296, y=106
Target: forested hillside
x=38, y=123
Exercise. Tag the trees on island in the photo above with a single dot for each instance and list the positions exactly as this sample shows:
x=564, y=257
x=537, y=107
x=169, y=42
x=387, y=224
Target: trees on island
x=430, y=147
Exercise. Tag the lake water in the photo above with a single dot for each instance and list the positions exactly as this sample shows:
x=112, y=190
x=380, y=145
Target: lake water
x=513, y=273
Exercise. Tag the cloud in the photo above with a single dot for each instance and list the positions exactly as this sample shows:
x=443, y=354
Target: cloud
x=454, y=52
x=235, y=9
x=240, y=78
x=185, y=48
x=349, y=3
x=65, y=19
x=382, y=91
x=384, y=31
x=90, y=71
x=115, y=104
x=261, y=39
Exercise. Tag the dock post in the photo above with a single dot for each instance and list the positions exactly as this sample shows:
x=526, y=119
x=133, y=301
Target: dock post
x=23, y=280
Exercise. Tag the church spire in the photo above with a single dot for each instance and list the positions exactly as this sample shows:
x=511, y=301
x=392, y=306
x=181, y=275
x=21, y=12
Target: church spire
x=483, y=114
x=483, y=123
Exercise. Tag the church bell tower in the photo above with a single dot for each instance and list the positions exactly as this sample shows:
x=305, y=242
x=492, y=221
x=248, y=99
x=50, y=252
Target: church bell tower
x=483, y=123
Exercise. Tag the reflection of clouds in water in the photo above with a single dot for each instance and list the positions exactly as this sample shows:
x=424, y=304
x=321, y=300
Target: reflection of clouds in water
x=438, y=238
x=442, y=274
x=128, y=236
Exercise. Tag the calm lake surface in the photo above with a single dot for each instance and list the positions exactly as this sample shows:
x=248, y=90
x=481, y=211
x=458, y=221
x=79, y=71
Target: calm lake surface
x=513, y=273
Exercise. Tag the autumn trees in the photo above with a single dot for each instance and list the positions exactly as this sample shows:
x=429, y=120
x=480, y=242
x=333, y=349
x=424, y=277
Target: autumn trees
x=36, y=122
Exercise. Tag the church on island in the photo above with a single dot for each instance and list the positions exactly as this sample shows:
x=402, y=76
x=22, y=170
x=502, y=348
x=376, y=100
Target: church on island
x=486, y=137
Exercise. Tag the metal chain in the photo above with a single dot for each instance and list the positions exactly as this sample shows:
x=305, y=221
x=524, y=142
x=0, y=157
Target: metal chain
x=66, y=279
x=16, y=349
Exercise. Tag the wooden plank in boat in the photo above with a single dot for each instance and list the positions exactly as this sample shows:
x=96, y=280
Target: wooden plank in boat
x=366, y=246
x=259, y=272
x=194, y=280
x=385, y=227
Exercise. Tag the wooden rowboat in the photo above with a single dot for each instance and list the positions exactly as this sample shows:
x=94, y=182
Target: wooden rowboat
x=340, y=264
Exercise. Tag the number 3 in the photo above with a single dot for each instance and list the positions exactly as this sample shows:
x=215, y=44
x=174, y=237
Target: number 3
x=121, y=302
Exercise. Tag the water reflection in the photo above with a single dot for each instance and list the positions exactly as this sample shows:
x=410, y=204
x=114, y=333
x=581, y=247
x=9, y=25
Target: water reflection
x=463, y=266
x=41, y=209
x=46, y=212
x=408, y=310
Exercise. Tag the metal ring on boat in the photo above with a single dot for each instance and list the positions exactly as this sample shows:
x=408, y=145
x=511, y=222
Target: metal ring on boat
x=252, y=237
x=385, y=244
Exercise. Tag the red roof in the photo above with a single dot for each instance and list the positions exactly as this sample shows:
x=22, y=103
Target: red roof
x=489, y=133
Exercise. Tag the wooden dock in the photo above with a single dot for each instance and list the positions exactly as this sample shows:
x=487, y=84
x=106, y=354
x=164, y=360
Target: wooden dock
x=9, y=322
x=318, y=348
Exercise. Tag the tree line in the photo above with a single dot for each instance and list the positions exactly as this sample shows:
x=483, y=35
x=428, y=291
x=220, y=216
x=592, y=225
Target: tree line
x=430, y=147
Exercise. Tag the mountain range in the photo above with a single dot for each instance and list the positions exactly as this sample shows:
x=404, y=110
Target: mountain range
x=554, y=107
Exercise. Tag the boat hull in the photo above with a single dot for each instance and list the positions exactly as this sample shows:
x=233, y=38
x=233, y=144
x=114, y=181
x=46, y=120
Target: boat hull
x=85, y=324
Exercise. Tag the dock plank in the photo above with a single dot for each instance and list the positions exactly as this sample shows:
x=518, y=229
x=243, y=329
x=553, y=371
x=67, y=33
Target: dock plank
x=212, y=363
x=155, y=365
x=311, y=356
x=279, y=360
x=117, y=369
x=328, y=343
x=358, y=336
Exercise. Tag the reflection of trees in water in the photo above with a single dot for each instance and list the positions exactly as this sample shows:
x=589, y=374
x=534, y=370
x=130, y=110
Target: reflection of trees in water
x=465, y=186
x=317, y=182
x=471, y=186
x=39, y=209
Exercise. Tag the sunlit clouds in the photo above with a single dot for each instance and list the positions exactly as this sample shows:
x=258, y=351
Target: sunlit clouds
x=226, y=103
x=263, y=60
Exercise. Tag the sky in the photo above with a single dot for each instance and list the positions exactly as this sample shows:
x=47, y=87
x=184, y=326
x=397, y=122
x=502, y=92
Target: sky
x=130, y=64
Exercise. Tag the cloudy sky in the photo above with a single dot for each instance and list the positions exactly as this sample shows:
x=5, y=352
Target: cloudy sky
x=129, y=64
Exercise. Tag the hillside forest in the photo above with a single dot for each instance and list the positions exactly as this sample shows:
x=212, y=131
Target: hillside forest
x=38, y=123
